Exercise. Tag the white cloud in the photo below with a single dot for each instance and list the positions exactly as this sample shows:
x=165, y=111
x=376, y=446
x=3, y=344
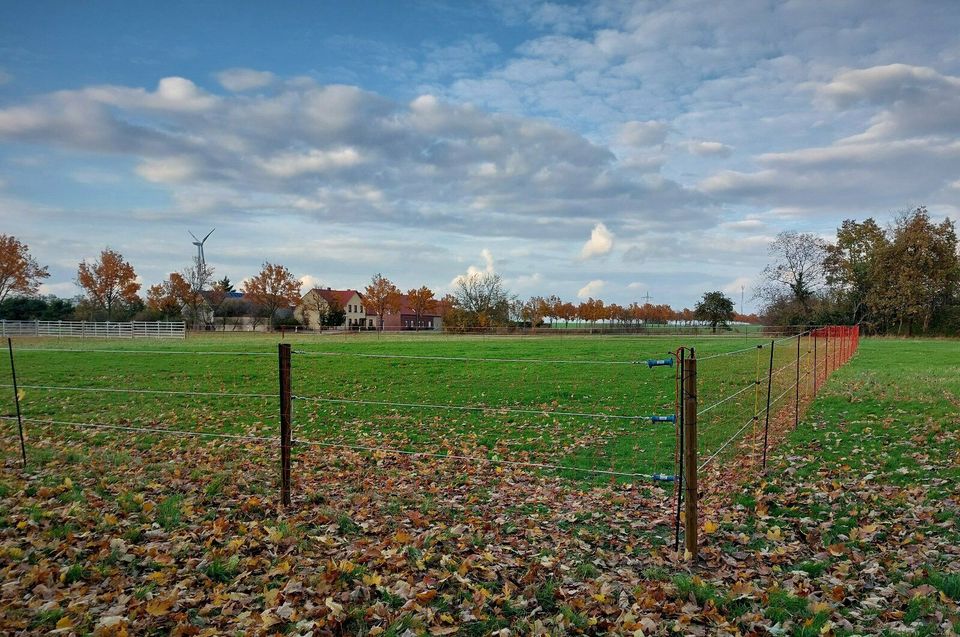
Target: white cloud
x=239, y=79
x=708, y=149
x=310, y=148
x=640, y=134
x=315, y=161
x=168, y=170
x=599, y=243
x=173, y=94
x=591, y=289
x=308, y=282
x=488, y=267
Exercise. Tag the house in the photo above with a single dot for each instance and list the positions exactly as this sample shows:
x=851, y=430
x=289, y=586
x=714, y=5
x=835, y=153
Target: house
x=407, y=319
x=351, y=301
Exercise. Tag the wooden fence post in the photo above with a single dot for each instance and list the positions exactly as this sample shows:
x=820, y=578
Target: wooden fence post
x=16, y=399
x=690, y=515
x=285, y=417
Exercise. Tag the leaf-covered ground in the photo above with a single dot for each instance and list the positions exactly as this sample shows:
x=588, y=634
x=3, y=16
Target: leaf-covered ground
x=853, y=531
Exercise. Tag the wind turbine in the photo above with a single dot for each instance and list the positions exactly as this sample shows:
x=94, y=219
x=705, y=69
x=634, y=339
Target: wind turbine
x=199, y=243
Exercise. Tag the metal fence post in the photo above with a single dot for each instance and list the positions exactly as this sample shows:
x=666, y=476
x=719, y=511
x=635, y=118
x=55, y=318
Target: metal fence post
x=690, y=514
x=796, y=402
x=766, y=424
x=816, y=372
x=285, y=417
x=680, y=455
x=16, y=400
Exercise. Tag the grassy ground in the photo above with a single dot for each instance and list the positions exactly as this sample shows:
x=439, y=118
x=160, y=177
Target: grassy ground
x=552, y=396
x=852, y=532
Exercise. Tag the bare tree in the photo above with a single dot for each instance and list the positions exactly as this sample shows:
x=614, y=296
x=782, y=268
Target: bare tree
x=798, y=268
x=197, y=277
x=482, y=296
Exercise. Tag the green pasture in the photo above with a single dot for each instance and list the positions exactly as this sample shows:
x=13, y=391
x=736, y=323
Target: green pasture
x=577, y=395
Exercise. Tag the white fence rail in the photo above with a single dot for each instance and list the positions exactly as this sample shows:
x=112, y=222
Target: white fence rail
x=91, y=329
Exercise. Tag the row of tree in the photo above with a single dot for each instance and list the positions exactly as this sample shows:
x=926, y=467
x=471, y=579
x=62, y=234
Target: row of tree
x=112, y=292
x=900, y=279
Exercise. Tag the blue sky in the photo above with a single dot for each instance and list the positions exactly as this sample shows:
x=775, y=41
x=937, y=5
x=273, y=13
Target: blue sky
x=596, y=148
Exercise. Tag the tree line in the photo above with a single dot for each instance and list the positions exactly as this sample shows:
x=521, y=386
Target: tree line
x=111, y=291
x=902, y=279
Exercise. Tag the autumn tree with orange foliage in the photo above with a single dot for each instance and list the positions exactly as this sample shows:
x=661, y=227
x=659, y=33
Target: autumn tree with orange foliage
x=20, y=274
x=422, y=302
x=168, y=298
x=274, y=287
x=382, y=297
x=108, y=281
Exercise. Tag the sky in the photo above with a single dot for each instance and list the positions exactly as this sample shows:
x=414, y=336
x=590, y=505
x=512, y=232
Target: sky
x=605, y=149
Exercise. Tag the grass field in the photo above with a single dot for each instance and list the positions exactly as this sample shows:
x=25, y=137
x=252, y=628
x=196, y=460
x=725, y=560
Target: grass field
x=853, y=531
x=576, y=400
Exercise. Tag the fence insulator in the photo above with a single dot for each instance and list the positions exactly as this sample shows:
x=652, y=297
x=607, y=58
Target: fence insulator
x=663, y=477
x=670, y=418
x=659, y=362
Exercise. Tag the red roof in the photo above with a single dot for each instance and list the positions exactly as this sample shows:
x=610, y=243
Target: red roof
x=340, y=297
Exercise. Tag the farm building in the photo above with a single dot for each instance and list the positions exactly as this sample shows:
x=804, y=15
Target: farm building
x=321, y=300
x=407, y=319
x=357, y=316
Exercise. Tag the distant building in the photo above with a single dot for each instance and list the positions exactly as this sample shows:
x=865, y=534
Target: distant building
x=407, y=319
x=351, y=301
x=358, y=316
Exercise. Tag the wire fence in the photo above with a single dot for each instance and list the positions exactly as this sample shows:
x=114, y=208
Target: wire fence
x=611, y=415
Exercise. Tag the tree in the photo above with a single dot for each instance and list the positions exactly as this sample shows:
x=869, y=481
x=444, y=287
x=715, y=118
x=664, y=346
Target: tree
x=20, y=274
x=168, y=298
x=483, y=299
x=197, y=276
x=714, y=308
x=109, y=281
x=851, y=262
x=274, y=287
x=382, y=297
x=25, y=308
x=916, y=274
x=422, y=302
x=798, y=268
x=335, y=314
x=219, y=293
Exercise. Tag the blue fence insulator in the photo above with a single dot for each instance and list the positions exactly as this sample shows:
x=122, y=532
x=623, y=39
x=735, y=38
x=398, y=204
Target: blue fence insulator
x=663, y=477
x=670, y=418
x=659, y=362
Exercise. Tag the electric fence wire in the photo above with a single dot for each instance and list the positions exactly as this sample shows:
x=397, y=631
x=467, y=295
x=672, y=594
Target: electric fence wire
x=144, y=351
x=504, y=410
x=733, y=353
x=727, y=443
x=469, y=359
x=387, y=450
x=164, y=392
x=727, y=399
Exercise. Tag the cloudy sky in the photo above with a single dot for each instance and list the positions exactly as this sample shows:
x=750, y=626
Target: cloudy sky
x=611, y=149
